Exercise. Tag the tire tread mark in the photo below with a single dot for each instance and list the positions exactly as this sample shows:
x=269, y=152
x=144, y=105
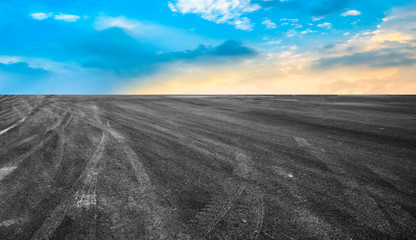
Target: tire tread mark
x=215, y=211
x=245, y=220
x=66, y=206
x=149, y=201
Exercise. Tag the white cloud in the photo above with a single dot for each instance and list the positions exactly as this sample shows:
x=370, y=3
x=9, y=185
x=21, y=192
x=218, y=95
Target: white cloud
x=291, y=33
x=285, y=71
x=386, y=19
x=326, y=25
x=169, y=38
x=290, y=19
x=391, y=33
x=66, y=17
x=218, y=11
x=61, y=16
x=105, y=22
x=317, y=18
x=40, y=15
x=282, y=72
x=274, y=41
x=243, y=24
x=172, y=7
x=308, y=31
x=269, y=24
x=351, y=13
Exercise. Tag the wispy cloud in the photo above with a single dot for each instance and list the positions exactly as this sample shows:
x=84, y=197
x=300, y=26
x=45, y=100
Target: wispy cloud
x=272, y=41
x=269, y=24
x=40, y=15
x=290, y=19
x=130, y=55
x=383, y=58
x=105, y=22
x=391, y=45
x=317, y=18
x=295, y=25
x=67, y=17
x=380, y=61
x=326, y=25
x=308, y=31
x=21, y=68
x=314, y=8
x=218, y=11
x=391, y=33
x=60, y=16
x=359, y=57
x=153, y=33
x=292, y=33
x=243, y=23
x=351, y=13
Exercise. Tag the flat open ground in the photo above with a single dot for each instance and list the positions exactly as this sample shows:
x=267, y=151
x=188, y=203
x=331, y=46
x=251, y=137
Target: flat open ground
x=207, y=167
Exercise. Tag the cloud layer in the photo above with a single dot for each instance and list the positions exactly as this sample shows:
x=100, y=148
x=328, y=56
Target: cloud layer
x=378, y=61
x=189, y=46
x=218, y=11
x=129, y=56
x=21, y=68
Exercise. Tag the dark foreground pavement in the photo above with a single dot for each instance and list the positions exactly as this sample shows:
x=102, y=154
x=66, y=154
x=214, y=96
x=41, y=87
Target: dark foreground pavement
x=207, y=167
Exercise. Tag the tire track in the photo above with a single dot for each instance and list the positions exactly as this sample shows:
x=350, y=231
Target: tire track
x=297, y=212
x=66, y=120
x=239, y=213
x=239, y=216
x=215, y=211
x=14, y=163
x=23, y=116
x=83, y=201
x=6, y=171
x=259, y=219
x=392, y=178
x=19, y=122
x=361, y=204
x=60, y=118
x=320, y=154
x=246, y=219
x=16, y=143
x=80, y=199
x=144, y=197
x=87, y=196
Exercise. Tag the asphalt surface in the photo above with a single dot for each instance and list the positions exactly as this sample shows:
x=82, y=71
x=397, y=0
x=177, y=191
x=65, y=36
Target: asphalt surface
x=207, y=167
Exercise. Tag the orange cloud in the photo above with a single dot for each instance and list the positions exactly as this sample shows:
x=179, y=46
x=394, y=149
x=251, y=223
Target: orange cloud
x=281, y=79
x=290, y=72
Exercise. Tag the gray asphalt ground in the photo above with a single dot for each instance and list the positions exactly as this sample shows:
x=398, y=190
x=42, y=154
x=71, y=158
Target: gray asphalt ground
x=207, y=167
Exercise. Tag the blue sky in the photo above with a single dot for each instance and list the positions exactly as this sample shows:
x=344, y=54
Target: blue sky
x=207, y=46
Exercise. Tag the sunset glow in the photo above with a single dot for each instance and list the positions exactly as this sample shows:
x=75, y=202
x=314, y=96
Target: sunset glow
x=208, y=47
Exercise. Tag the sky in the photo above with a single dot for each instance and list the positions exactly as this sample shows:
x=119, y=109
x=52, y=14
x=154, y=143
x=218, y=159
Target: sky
x=208, y=47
